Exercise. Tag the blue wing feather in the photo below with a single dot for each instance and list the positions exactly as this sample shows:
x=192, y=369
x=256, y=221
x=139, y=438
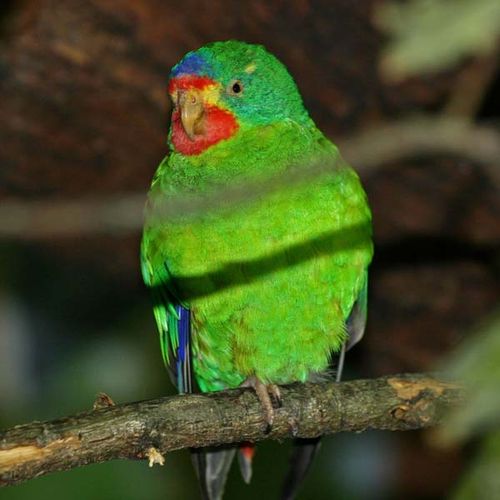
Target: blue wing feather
x=174, y=326
x=183, y=358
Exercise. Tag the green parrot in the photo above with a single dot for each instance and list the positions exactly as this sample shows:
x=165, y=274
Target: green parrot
x=263, y=291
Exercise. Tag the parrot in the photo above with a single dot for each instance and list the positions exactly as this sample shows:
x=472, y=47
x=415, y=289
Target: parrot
x=262, y=291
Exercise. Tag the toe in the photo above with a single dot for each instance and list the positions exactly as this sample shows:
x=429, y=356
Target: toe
x=275, y=393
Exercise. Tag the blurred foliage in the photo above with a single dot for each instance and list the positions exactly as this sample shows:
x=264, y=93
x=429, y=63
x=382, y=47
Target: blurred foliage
x=482, y=480
x=477, y=364
x=432, y=35
x=427, y=36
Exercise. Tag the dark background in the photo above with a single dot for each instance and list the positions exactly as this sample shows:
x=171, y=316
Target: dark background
x=84, y=112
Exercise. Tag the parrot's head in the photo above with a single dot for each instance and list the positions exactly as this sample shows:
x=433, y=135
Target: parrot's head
x=225, y=87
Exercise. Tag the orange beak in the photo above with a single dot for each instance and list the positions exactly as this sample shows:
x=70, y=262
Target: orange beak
x=192, y=111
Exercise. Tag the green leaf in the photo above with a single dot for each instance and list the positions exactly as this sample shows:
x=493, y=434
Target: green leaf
x=433, y=35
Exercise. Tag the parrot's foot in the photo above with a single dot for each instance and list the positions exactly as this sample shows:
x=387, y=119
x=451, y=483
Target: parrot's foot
x=266, y=395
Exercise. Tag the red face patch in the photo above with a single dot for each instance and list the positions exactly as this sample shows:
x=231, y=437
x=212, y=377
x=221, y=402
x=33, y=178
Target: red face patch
x=219, y=124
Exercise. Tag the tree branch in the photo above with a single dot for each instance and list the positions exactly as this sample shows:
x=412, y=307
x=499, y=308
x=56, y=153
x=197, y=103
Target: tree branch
x=148, y=429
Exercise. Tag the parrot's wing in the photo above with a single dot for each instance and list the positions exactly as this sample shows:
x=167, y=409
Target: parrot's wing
x=356, y=321
x=179, y=335
x=174, y=326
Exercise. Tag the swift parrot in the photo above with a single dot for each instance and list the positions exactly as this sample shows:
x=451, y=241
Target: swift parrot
x=264, y=291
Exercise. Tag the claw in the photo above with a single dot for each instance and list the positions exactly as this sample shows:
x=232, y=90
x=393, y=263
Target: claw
x=266, y=395
x=275, y=392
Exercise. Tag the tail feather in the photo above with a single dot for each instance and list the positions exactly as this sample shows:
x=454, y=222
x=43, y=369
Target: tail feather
x=303, y=453
x=245, y=458
x=212, y=467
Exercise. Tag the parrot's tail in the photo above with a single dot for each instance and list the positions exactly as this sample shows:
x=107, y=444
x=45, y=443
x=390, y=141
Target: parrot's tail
x=245, y=458
x=303, y=453
x=212, y=467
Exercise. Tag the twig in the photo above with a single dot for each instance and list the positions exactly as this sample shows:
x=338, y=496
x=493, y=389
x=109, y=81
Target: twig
x=423, y=137
x=132, y=430
x=389, y=143
x=113, y=215
x=472, y=83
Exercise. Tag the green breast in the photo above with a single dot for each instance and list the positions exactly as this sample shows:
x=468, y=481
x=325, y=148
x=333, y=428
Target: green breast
x=269, y=283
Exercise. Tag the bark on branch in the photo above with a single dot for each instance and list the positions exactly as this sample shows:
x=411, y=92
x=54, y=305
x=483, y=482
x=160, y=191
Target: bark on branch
x=141, y=430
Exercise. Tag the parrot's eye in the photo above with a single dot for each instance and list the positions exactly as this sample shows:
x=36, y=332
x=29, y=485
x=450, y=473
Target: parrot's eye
x=235, y=88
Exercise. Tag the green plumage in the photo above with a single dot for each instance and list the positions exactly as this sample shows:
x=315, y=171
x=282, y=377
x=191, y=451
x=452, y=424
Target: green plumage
x=277, y=277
